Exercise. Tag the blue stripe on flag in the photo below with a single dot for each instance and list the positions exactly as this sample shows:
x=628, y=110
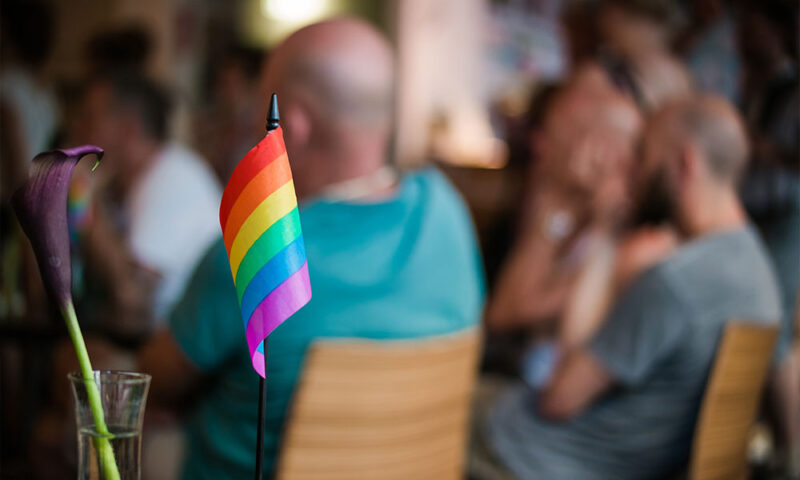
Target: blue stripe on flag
x=273, y=273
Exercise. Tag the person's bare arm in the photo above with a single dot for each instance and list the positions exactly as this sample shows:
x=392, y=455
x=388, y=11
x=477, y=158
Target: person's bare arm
x=572, y=196
x=528, y=288
x=640, y=250
x=174, y=376
x=609, y=270
x=535, y=281
x=578, y=380
x=591, y=298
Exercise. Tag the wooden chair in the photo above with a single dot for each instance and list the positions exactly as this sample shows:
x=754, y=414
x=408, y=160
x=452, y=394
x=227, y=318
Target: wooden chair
x=382, y=409
x=731, y=401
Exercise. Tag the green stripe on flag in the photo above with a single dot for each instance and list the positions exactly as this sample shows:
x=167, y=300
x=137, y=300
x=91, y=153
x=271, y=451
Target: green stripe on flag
x=276, y=238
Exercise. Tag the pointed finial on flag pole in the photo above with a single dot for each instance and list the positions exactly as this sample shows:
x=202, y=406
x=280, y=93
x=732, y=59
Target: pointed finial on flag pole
x=273, y=117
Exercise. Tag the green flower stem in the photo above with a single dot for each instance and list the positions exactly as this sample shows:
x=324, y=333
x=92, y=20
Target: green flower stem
x=101, y=443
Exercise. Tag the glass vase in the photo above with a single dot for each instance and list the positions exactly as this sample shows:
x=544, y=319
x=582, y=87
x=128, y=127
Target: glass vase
x=113, y=452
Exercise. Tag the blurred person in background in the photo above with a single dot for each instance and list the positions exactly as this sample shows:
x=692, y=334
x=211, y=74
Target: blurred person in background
x=226, y=130
x=650, y=79
x=634, y=27
x=502, y=349
x=768, y=40
x=29, y=116
x=28, y=105
x=625, y=404
x=388, y=257
x=571, y=290
x=157, y=214
x=578, y=250
x=632, y=53
x=561, y=284
x=708, y=44
x=586, y=149
x=581, y=247
x=153, y=214
x=123, y=49
x=623, y=27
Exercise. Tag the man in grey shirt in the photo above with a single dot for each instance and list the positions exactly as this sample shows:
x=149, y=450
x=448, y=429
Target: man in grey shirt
x=624, y=406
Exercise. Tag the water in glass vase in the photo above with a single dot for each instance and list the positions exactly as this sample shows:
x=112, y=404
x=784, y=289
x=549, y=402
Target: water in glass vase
x=126, y=445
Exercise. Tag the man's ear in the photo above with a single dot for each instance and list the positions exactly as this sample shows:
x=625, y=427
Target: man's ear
x=297, y=130
x=688, y=166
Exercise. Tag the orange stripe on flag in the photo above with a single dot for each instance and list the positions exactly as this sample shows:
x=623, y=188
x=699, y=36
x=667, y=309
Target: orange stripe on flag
x=269, y=179
x=268, y=149
x=272, y=209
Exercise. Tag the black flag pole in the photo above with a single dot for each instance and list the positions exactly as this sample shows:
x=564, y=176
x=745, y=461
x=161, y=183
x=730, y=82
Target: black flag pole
x=262, y=400
x=273, y=120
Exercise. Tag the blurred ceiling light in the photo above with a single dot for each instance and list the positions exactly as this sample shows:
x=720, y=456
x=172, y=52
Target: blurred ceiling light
x=293, y=11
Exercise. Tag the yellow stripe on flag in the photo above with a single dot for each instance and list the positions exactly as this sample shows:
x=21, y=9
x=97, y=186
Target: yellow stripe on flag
x=272, y=209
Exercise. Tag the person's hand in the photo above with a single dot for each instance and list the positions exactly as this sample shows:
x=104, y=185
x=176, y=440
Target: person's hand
x=533, y=283
x=590, y=183
x=599, y=171
x=556, y=213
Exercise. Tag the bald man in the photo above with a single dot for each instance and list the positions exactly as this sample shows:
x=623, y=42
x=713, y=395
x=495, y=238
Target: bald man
x=388, y=257
x=334, y=81
x=624, y=406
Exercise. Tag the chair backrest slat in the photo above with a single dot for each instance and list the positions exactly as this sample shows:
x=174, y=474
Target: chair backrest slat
x=382, y=409
x=731, y=402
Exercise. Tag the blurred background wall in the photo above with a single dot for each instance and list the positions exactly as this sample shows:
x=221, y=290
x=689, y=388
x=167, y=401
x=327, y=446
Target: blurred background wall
x=188, y=37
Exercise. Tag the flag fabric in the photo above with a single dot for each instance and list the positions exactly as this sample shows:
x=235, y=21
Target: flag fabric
x=261, y=228
x=78, y=206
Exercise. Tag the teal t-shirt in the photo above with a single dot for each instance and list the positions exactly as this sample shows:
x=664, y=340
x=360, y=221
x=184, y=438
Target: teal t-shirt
x=406, y=267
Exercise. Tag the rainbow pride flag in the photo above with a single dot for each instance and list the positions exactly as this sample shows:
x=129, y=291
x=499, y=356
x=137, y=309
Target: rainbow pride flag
x=261, y=227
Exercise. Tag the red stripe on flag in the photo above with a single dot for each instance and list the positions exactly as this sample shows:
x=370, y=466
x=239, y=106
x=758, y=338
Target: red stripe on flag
x=268, y=149
x=264, y=184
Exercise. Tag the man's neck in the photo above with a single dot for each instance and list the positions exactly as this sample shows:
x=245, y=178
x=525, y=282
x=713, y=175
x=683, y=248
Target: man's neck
x=356, y=167
x=374, y=185
x=722, y=213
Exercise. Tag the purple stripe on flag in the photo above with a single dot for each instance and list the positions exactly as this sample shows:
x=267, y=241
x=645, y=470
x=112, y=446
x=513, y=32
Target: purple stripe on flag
x=285, y=300
x=258, y=363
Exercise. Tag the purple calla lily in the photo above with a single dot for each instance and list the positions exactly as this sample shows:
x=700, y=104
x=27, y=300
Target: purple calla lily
x=41, y=208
